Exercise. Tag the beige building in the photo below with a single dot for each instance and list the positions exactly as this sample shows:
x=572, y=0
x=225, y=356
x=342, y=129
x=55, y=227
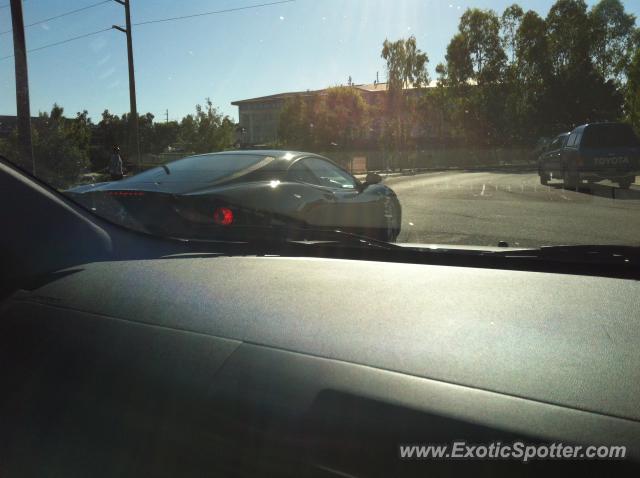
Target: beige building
x=259, y=118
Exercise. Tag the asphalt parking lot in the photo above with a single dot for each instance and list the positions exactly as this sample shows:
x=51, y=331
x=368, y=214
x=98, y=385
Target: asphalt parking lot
x=482, y=208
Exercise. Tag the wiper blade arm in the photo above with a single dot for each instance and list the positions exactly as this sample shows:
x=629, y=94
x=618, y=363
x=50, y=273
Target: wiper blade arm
x=341, y=238
x=273, y=238
x=610, y=254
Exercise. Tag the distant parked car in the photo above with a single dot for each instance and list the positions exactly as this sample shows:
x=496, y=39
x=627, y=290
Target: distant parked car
x=591, y=153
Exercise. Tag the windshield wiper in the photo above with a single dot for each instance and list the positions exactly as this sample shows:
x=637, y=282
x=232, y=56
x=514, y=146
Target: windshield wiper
x=270, y=238
x=592, y=254
x=604, y=261
x=339, y=237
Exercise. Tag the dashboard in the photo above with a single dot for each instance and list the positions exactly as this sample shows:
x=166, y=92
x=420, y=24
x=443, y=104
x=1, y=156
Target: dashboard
x=336, y=359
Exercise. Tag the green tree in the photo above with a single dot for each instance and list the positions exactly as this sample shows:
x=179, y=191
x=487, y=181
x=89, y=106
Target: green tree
x=532, y=51
x=613, y=38
x=406, y=65
x=632, y=93
x=528, y=109
x=578, y=92
x=61, y=146
x=145, y=132
x=509, y=25
x=458, y=69
x=341, y=117
x=336, y=118
x=207, y=130
x=164, y=135
x=295, y=125
x=406, y=68
x=481, y=30
x=569, y=32
x=475, y=74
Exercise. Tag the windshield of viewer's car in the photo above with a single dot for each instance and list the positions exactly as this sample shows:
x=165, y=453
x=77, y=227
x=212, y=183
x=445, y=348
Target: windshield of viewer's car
x=469, y=123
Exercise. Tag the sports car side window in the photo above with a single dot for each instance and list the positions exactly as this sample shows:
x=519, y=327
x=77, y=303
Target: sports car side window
x=328, y=175
x=299, y=172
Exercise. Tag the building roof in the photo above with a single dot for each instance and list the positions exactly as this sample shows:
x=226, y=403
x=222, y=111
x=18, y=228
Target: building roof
x=367, y=88
x=278, y=96
x=374, y=87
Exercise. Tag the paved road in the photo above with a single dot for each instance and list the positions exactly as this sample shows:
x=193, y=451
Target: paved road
x=483, y=208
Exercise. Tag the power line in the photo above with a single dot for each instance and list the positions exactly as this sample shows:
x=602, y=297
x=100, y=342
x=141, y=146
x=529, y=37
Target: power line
x=61, y=15
x=7, y=5
x=148, y=22
x=61, y=42
x=184, y=17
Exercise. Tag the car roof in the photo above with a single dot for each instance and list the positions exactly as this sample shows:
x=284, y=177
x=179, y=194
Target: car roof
x=283, y=158
x=601, y=123
x=275, y=153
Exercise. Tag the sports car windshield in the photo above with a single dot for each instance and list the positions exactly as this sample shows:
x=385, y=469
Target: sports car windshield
x=474, y=124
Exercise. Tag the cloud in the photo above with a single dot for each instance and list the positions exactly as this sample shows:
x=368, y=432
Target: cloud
x=104, y=59
x=98, y=44
x=107, y=73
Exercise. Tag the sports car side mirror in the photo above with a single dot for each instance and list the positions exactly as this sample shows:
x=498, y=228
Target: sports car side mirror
x=372, y=178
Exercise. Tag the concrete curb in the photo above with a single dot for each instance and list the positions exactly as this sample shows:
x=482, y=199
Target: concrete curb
x=411, y=172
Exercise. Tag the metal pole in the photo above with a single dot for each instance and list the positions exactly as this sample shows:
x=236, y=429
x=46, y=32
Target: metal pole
x=134, y=140
x=22, y=88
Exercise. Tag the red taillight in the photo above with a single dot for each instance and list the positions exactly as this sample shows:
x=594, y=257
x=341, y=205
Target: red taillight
x=223, y=216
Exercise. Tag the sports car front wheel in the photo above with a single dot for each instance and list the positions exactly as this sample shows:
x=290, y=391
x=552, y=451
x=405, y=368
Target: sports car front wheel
x=390, y=220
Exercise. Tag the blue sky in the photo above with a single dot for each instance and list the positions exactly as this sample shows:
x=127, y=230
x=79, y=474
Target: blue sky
x=306, y=44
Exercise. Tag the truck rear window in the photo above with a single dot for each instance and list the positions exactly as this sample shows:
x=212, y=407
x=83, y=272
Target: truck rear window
x=609, y=136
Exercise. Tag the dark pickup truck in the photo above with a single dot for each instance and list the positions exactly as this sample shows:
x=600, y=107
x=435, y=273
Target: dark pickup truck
x=591, y=153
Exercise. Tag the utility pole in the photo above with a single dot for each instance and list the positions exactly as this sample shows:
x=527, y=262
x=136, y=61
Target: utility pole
x=167, y=116
x=22, y=88
x=134, y=138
